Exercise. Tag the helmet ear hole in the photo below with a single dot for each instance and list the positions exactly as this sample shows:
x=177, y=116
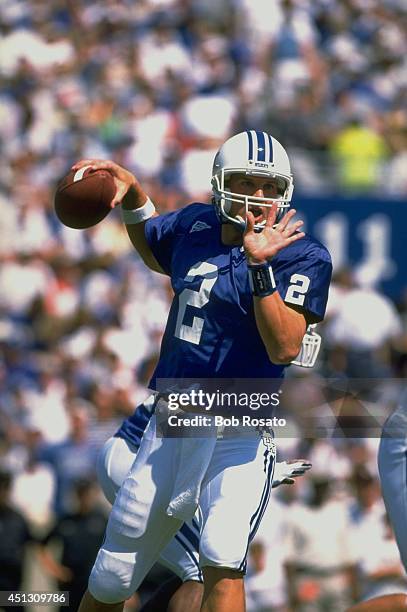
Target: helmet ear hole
x=227, y=205
x=282, y=185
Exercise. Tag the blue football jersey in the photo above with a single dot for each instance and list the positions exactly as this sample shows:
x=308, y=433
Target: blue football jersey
x=211, y=330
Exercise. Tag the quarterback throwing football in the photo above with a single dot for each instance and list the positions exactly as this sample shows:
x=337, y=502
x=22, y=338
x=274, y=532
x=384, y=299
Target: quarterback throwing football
x=247, y=283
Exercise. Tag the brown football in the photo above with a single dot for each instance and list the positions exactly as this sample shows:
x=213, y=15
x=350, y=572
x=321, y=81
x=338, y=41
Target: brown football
x=83, y=197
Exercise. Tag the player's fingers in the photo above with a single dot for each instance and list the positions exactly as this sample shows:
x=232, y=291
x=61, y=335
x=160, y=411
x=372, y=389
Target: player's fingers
x=249, y=222
x=302, y=462
x=271, y=215
x=120, y=193
x=97, y=164
x=299, y=472
x=293, y=228
x=294, y=238
x=286, y=219
x=80, y=163
x=298, y=467
x=92, y=163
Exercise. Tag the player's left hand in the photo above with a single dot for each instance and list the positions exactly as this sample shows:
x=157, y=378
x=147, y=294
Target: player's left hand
x=262, y=246
x=285, y=472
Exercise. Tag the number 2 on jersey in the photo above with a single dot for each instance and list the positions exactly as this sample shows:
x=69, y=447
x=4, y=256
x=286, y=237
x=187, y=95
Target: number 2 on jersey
x=198, y=299
x=296, y=292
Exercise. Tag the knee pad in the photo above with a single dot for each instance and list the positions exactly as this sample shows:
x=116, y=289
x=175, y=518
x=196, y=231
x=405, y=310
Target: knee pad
x=111, y=577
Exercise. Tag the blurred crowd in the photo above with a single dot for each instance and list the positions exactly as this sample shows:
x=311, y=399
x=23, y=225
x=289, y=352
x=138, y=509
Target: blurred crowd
x=157, y=85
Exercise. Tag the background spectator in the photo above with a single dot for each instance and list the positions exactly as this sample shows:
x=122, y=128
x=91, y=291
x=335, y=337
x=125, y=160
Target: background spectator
x=80, y=535
x=14, y=537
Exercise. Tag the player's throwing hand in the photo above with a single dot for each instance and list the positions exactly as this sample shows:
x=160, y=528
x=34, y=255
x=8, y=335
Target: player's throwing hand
x=123, y=179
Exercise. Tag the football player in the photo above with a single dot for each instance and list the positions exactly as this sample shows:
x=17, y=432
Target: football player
x=247, y=283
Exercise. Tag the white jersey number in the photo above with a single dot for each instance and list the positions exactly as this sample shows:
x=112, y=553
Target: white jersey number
x=296, y=292
x=189, y=297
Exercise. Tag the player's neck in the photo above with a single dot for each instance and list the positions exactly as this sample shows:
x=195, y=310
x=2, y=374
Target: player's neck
x=231, y=235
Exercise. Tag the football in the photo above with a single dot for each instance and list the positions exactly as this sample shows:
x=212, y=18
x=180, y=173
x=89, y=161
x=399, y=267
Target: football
x=82, y=198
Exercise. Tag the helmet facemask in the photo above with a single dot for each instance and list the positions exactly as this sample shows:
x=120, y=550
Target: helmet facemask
x=224, y=198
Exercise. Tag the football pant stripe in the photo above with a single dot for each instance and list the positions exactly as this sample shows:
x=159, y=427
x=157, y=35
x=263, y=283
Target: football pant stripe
x=263, y=507
x=147, y=412
x=196, y=525
x=263, y=498
x=192, y=538
x=190, y=554
x=258, y=515
x=253, y=518
x=265, y=461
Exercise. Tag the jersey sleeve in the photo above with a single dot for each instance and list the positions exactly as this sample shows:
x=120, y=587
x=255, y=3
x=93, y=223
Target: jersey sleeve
x=160, y=233
x=303, y=281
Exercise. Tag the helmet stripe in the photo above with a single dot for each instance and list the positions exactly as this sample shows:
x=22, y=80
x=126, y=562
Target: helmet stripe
x=271, y=149
x=250, y=137
x=261, y=146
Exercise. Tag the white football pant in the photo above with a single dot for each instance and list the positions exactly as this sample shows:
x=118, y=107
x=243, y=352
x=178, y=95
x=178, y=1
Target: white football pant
x=234, y=495
x=181, y=554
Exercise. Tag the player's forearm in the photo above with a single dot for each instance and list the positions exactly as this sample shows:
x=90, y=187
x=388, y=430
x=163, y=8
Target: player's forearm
x=134, y=199
x=281, y=328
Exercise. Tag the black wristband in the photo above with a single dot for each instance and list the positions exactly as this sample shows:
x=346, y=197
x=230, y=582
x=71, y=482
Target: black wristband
x=261, y=279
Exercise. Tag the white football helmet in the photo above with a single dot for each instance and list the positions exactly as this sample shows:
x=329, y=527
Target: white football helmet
x=255, y=154
x=311, y=344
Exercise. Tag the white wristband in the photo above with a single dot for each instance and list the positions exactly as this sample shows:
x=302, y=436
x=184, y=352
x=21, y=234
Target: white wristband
x=138, y=215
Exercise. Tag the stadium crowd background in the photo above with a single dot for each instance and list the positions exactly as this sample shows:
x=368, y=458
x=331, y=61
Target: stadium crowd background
x=157, y=85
